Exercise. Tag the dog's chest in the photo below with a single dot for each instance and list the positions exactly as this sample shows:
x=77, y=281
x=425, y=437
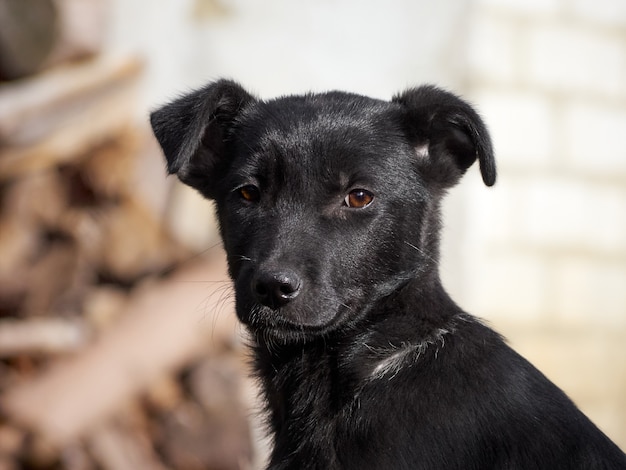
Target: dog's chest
x=321, y=406
x=310, y=399
x=305, y=382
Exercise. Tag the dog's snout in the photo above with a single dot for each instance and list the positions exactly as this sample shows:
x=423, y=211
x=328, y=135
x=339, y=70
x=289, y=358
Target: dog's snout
x=275, y=289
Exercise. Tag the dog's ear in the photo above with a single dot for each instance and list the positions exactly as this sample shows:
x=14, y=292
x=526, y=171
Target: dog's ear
x=447, y=133
x=192, y=131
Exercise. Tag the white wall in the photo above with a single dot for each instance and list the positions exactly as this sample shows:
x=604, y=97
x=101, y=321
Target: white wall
x=544, y=253
x=550, y=78
x=285, y=46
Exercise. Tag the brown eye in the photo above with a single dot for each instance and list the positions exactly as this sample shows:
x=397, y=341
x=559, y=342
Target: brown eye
x=359, y=198
x=250, y=193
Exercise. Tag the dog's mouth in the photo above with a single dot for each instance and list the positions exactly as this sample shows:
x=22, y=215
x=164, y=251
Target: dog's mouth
x=290, y=324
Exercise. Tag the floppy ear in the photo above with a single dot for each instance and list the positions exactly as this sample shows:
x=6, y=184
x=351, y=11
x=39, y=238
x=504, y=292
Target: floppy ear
x=448, y=135
x=192, y=131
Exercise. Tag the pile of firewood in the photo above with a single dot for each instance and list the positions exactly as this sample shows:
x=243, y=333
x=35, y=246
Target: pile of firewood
x=118, y=344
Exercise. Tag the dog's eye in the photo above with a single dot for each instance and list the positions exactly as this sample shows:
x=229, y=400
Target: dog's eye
x=250, y=193
x=359, y=198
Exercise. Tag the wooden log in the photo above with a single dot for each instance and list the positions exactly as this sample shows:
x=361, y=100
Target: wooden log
x=57, y=280
x=220, y=435
x=110, y=170
x=35, y=200
x=122, y=242
x=17, y=245
x=134, y=243
x=33, y=107
x=57, y=117
x=26, y=205
x=41, y=335
x=102, y=306
x=117, y=449
x=27, y=35
x=76, y=457
x=35, y=34
x=165, y=325
x=81, y=27
x=11, y=440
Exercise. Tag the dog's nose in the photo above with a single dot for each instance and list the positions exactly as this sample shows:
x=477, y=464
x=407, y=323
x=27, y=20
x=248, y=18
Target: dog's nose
x=275, y=289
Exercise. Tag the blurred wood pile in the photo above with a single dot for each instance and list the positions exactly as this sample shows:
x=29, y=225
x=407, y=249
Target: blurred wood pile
x=118, y=346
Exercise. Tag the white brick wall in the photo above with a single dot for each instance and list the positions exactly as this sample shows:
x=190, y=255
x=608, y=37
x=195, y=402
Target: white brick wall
x=516, y=280
x=543, y=253
x=568, y=58
x=602, y=12
x=524, y=6
x=521, y=123
x=596, y=137
x=547, y=245
x=564, y=214
x=492, y=49
x=599, y=287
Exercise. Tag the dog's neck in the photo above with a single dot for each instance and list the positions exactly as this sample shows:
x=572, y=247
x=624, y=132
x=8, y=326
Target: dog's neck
x=416, y=318
x=409, y=329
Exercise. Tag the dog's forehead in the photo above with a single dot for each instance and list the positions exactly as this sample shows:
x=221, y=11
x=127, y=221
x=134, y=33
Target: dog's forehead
x=332, y=131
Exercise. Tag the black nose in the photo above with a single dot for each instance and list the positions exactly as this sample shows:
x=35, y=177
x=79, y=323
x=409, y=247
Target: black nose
x=275, y=289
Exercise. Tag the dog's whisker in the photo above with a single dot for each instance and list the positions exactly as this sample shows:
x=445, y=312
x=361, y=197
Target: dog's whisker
x=243, y=258
x=424, y=255
x=345, y=305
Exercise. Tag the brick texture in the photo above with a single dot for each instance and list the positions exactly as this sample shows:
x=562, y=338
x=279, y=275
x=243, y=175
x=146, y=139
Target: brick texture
x=550, y=81
x=543, y=253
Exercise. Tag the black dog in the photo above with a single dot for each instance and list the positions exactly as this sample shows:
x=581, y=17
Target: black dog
x=328, y=207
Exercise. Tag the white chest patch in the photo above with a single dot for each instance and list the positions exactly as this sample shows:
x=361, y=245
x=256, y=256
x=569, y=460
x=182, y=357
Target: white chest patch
x=396, y=358
x=422, y=151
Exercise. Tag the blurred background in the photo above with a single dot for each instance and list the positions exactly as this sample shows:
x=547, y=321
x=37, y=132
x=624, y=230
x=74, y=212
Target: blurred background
x=118, y=344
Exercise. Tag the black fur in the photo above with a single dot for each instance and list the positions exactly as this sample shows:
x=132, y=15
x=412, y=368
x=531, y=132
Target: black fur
x=365, y=361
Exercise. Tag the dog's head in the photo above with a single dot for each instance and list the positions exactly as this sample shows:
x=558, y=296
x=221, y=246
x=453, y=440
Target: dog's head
x=326, y=202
